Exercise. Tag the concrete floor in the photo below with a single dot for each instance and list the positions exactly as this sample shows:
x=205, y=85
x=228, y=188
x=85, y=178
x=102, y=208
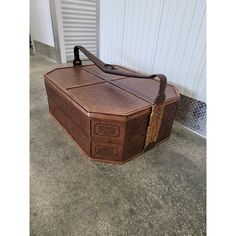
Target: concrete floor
x=162, y=192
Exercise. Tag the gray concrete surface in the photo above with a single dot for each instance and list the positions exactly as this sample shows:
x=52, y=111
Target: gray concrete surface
x=162, y=192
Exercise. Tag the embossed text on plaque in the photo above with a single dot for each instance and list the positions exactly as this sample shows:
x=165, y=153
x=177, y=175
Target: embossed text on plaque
x=106, y=150
x=106, y=130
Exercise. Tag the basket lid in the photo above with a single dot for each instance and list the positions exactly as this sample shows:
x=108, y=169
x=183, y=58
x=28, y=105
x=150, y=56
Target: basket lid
x=104, y=93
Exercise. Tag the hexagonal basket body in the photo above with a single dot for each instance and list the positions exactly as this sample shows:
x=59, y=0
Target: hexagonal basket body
x=107, y=115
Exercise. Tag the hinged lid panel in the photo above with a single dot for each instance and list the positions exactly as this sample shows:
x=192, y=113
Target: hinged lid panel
x=72, y=76
x=145, y=88
x=107, y=98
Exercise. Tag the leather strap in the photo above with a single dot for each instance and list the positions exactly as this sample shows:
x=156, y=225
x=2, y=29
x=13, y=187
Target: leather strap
x=111, y=69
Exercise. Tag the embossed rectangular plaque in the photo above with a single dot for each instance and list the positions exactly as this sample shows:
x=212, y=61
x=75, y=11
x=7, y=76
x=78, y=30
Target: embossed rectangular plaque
x=106, y=130
x=106, y=150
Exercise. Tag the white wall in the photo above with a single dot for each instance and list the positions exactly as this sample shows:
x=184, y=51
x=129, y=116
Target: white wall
x=157, y=36
x=40, y=22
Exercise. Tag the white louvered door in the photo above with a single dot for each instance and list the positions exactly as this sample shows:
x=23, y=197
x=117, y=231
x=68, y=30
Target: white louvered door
x=78, y=21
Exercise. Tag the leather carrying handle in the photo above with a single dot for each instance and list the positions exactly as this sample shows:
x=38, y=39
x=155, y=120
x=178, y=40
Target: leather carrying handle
x=111, y=69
